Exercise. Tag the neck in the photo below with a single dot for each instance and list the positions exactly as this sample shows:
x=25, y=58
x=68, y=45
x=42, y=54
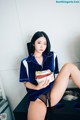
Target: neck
x=37, y=55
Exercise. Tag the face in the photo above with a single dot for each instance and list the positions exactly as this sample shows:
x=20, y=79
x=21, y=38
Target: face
x=40, y=45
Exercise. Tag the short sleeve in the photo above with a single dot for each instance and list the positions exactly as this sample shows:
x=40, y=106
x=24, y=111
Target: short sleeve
x=56, y=65
x=23, y=73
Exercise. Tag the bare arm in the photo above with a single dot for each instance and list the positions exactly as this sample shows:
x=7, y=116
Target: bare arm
x=41, y=85
x=30, y=85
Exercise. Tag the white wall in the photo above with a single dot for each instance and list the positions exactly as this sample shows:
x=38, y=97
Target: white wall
x=19, y=20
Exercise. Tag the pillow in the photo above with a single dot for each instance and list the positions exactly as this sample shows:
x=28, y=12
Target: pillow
x=43, y=75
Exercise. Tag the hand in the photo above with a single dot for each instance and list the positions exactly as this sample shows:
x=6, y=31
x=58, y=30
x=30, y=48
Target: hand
x=42, y=84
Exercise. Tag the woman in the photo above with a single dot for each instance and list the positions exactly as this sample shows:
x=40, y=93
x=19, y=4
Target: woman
x=44, y=93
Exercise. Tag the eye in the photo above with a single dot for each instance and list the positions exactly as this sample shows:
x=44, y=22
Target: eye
x=39, y=42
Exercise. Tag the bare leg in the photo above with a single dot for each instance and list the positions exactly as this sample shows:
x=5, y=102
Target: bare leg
x=61, y=82
x=37, y=110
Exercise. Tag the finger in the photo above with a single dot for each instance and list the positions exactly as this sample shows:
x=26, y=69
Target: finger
x=43, y=82
x=47, y=82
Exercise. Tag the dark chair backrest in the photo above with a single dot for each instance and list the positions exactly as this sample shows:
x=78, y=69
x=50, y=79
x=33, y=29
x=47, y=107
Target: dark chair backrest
x=28, y=47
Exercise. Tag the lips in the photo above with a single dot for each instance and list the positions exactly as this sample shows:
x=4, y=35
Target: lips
x=41, y=49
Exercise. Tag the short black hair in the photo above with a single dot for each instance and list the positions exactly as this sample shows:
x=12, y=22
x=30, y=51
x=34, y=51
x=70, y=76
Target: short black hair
x=35, y=37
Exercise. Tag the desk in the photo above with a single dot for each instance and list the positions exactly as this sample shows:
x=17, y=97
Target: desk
x=64, y=110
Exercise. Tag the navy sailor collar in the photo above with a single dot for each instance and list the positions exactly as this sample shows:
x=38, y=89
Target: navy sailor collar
x=32, y=58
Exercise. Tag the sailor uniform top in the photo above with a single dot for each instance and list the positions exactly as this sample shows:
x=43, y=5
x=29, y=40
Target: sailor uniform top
x=29, y=66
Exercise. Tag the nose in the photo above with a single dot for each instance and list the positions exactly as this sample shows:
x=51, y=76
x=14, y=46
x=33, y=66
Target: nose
x=41, y=45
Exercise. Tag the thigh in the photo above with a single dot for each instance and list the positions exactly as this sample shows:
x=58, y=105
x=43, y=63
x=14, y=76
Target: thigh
x=37, y=110
x=60, y=85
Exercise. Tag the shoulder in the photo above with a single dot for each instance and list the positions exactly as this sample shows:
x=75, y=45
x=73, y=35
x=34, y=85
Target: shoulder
x=24, y=62
x=52, y=54
x=26, y=59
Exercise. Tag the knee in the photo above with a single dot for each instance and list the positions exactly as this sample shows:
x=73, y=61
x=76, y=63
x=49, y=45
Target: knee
x=68, y=66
